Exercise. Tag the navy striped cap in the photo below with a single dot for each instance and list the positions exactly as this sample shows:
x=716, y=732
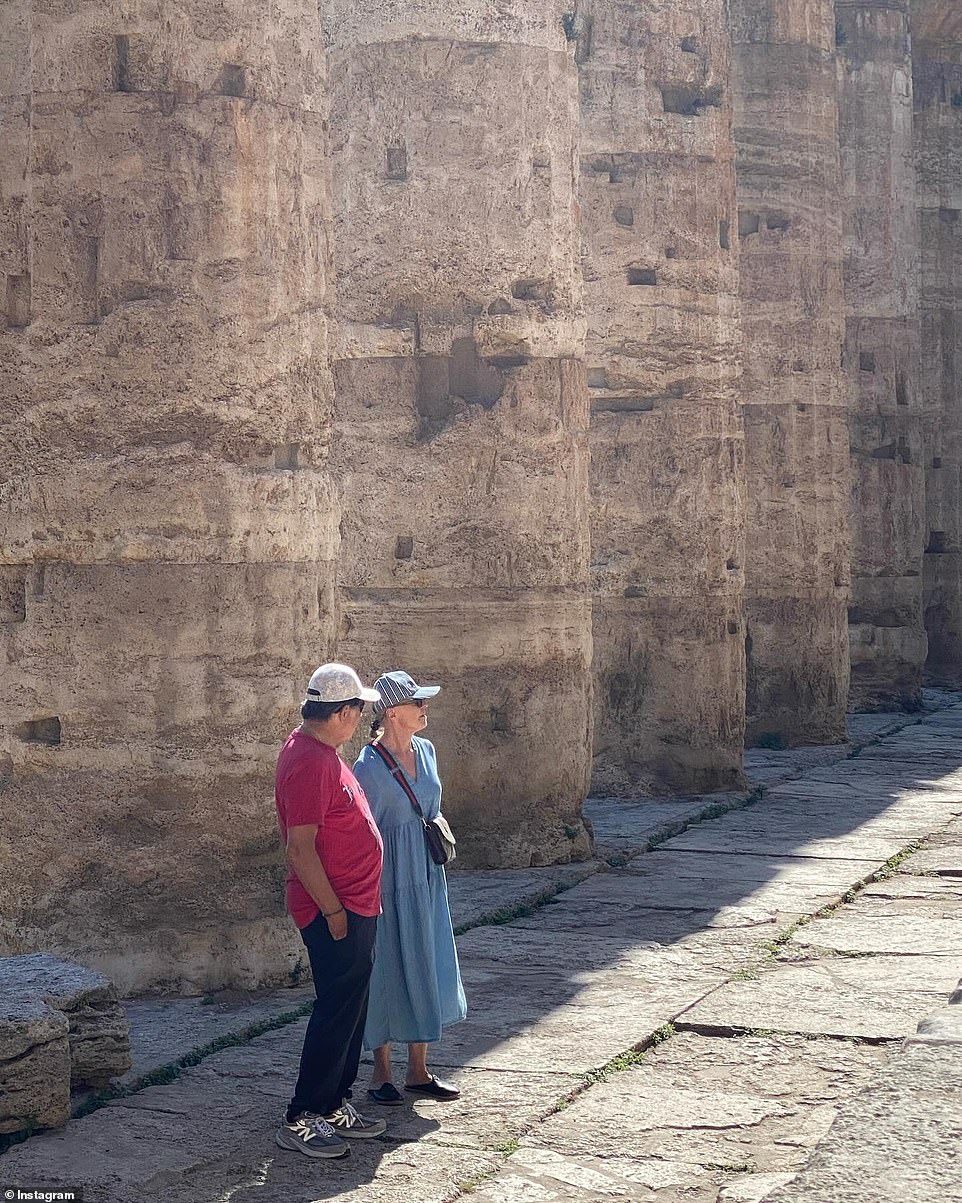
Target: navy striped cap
x=399, y=687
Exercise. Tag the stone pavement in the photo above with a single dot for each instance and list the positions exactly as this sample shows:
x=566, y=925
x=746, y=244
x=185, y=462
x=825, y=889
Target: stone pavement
x=688, y=1025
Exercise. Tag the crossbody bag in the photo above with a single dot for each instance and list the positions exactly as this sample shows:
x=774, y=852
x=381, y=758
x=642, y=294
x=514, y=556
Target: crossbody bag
x=437, y=832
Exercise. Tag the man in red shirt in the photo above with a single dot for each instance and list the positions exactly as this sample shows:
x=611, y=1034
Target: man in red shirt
x=334, y=897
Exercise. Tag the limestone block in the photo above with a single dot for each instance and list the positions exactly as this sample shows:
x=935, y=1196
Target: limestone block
x=34, y=1065
x=657, y=195
x=99, y=1037
x=797, y=456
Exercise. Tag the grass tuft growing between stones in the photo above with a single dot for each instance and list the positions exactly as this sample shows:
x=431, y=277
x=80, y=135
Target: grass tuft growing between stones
x=714, y=810
x=165, y=1074
x=617, y=1065
x=523, y=909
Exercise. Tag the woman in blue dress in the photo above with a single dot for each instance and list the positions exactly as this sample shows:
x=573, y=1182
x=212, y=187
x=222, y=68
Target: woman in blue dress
x=416, y=985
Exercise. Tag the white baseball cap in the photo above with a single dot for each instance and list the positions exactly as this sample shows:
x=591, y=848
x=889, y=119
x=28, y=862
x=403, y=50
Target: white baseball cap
x=338, y=683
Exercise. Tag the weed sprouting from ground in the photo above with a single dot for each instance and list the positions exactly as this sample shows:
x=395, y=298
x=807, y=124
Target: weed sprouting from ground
x=165, y=1074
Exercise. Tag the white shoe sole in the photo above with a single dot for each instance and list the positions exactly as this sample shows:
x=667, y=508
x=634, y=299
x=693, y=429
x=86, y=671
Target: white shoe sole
x=319, y=1152
x=363, y=1133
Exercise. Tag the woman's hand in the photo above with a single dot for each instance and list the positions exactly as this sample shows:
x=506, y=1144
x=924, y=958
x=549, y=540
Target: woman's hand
x=337, y=924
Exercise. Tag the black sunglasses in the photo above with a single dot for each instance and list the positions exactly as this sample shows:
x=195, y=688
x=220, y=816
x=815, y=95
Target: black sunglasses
x=356, y=704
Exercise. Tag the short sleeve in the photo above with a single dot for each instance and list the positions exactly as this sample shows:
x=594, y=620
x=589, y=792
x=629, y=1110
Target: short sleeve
x=365, y=770
x=307, y=794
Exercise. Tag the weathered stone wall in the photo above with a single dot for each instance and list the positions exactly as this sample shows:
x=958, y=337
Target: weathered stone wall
x=796, y=435
x=658, y=209
x=880, y=227
x=937, y=43
x=167, y=525
x=461, y=402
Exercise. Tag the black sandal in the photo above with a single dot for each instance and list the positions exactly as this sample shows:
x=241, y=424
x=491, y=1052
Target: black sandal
x=387, y=1095
x=435, y=1089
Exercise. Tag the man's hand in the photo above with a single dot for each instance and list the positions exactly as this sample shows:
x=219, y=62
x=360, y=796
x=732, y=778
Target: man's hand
x=337, y=924
x=303, y=859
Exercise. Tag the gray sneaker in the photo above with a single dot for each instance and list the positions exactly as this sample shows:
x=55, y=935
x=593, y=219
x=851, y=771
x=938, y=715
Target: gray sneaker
x=345, y=1121
x=311, y=1135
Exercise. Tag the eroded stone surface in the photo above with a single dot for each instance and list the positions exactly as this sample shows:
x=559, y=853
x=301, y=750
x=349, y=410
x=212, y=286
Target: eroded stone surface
x=476, y=895
x=168, y=524
x=881, y=353
x=906, y=927
x=896, y=1142
x=795, y=398
x=937, y=79
x=568, y=1022
x=99, y=1036
x=461, y=401
x=777, y=884
x=878, y=997
x=658, y=215
x=34, y=1065
x=691, y=1119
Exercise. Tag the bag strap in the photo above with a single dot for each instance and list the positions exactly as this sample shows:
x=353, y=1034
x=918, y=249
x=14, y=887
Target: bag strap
x=398, y=774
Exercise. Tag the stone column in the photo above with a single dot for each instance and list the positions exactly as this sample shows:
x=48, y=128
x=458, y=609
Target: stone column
x=167, y=524
x=937, y=57
x=461, y=399
x=658, y=208
x=797, y=458
x=880, y=231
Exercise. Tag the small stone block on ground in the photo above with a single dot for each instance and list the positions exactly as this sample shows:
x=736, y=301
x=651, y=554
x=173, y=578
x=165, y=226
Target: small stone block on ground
x=34, y=1066
x=99, y=1036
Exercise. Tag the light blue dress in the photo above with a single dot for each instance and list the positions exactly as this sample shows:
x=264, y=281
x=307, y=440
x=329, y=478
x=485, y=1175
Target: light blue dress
x=416, y=985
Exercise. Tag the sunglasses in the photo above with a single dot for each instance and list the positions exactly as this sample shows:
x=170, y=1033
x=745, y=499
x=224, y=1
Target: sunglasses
x=419, y=702
x=355, y=704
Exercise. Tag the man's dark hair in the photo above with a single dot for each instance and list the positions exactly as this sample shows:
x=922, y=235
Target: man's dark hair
x=320, y=712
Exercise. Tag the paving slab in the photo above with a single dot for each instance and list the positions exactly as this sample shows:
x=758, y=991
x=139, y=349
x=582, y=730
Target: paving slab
x=539, y=1175
x=777, y=884
x=691, y=1120
x=623, y=828
x=614, y=899
x=494, y=1108
x=784, y=832
x=164, y=1029
x=909, y=885
x=899, y=926
x=536, y=1021
x=758, y=1102
x=765, y=766
x=895, y=1142
x=870, y=798
x=942, y=858
x=475, y=895
x=873, y=998
x=753, y=1188
x=587, y=953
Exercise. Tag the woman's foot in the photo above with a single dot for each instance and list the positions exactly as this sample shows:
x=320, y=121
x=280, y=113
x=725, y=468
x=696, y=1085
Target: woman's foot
x=387, y=1094
x=434, y=1088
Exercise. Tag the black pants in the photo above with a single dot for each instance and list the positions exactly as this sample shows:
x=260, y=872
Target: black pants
x=332, y=1046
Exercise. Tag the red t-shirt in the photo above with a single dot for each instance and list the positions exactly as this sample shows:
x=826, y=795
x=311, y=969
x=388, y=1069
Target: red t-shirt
x=313, y=785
